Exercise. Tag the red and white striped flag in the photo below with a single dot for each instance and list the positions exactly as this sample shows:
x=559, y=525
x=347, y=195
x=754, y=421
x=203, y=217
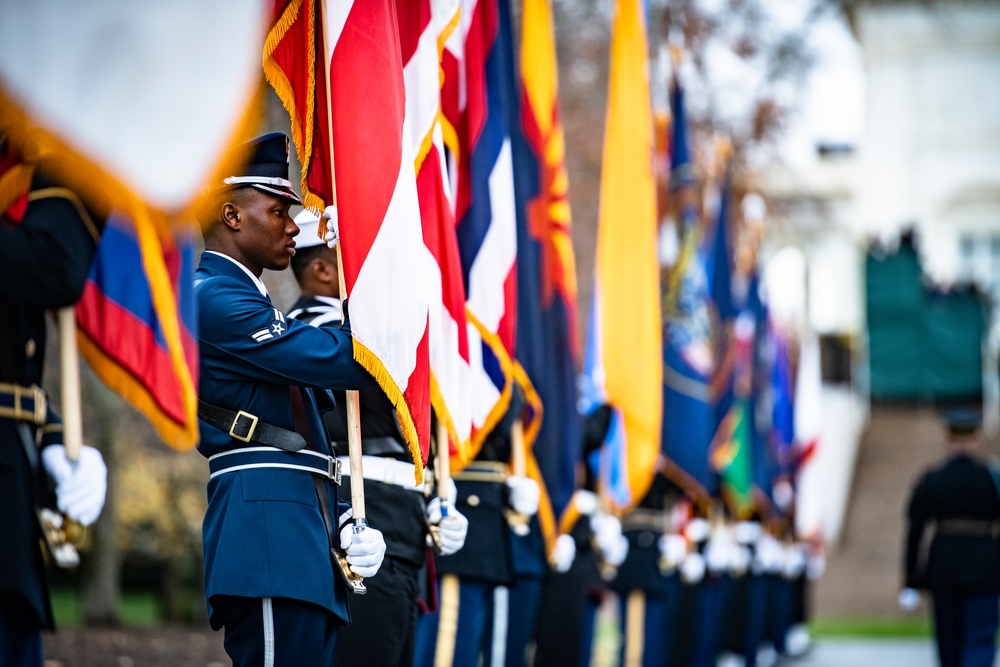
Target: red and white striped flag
x=385, y=261
x=476, y=116
x=424, y=25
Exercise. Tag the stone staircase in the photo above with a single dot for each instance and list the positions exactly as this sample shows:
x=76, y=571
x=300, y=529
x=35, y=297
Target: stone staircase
x=864, y=570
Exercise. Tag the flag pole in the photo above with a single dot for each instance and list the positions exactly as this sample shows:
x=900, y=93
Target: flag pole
x=518, y=522
x=443, y=467
x=70, y=385
x=353, y=411
x=64, y=543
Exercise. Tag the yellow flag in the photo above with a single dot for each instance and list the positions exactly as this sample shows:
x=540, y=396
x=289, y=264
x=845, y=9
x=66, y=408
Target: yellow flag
x=624, y=350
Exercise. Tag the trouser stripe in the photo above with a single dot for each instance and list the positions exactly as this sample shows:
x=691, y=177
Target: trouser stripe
x=268, y=633
x=635, y=628
x=501, y=611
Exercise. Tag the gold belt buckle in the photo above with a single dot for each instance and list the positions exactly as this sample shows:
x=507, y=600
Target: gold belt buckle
x=40, y=404
x=253, y=426
x=18, y=412
x=38, y=412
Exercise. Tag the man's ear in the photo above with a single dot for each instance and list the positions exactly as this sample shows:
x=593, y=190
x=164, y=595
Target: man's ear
x=322, y=270
x=231, y=216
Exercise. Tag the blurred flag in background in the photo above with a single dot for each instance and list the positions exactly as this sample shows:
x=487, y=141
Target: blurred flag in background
x=547, y=347
x=138, y=109
x=136, y=323
x=476, y=105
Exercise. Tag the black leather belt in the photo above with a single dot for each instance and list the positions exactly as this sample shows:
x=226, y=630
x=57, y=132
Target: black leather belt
x=967, y=527
x=246, y=427
x=22, y=403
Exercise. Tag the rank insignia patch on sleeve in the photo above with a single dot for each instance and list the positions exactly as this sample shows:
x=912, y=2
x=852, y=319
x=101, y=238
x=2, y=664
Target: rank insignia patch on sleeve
x=277, y=327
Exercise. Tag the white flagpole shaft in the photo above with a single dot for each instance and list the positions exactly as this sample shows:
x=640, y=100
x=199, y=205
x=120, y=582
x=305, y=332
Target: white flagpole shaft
x=70, y=371
x=443, y=465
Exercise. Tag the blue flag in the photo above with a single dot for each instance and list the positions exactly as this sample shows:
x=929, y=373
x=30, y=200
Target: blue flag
x=688, y=355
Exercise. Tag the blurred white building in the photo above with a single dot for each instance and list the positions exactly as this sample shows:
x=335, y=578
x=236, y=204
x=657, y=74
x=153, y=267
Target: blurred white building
x=930, y=155
x=927, y=157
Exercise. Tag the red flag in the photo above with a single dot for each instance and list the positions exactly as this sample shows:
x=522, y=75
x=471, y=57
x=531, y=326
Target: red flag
x=385, y=261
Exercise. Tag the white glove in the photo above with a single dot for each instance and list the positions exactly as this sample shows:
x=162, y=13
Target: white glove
x=609, y=539
x=815, y=566
x=563, y=553
x=616, y=553
x=741, y=559
x=452, y=529
x=746, y=532
x=697, y=530
x=586, y=502
x=795, y=561
x=909, y=599
x=332, y=237
x=797, y=640
x=693, y=568
x=673, y=548
x=524, y=494
x=365, y=549
x=81, y=487
x=718, y=555
x=607, y=530
x=769, y=556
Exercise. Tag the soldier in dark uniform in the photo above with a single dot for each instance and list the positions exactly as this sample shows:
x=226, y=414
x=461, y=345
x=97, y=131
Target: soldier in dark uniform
x=273, y=513
x=572, y=596
x=459, y=632
x=511, y=622
x=649, y=587
x=47, y=241
x=384, y=620
x=961, y=569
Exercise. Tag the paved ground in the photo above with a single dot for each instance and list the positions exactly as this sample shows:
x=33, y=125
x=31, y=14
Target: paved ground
x=148, y=647
x=869, y=653
x=176, y=647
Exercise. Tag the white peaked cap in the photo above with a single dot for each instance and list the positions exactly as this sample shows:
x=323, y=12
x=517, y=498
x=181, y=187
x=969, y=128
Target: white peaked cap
x=308, y=230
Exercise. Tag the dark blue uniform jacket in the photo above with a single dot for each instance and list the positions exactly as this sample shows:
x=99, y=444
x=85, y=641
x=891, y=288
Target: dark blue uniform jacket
x=263, y=532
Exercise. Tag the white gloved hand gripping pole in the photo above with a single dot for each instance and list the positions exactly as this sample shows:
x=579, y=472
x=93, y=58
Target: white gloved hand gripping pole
x=442, y=471
x=64, y=539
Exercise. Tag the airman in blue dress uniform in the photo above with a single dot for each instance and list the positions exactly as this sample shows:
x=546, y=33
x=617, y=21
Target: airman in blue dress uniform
x=273, y=514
